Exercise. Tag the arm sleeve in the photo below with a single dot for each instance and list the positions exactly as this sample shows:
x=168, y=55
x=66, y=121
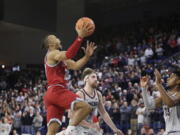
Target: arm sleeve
x=73, y=49
x=148, y=101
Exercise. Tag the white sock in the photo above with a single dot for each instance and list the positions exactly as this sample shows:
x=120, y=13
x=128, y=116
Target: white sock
x=70, y=128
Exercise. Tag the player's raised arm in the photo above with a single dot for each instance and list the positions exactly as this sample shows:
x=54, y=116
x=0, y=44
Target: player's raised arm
x=149, y=102
x=73, y=49
x=76, y=65
x=106, y=117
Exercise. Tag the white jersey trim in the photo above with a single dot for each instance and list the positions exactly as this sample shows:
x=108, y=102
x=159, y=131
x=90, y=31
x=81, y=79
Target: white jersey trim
x=52, y=65
x=56, y=85
x=54, y=120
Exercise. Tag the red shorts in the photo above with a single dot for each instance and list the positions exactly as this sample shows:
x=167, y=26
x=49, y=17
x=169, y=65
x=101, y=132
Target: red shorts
x=57, y=99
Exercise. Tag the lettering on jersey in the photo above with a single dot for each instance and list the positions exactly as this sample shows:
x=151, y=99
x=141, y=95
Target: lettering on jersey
x=93, y=103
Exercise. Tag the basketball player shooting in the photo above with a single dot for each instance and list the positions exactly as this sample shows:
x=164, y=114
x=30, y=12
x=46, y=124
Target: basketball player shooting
x=90, y=94
x=57, y=97
x=170, y=101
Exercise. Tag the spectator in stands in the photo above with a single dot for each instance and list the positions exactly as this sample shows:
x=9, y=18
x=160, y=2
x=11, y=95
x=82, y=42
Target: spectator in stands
x=119, y=60
x=159, y=52
x=27, y=122
x=140, y=116
x=146, y=130
x=125, y=117
x=148, y=54
x=37, y=121
x=17, y=120
x=5, y=127
x=133, y=119
x=15, y=132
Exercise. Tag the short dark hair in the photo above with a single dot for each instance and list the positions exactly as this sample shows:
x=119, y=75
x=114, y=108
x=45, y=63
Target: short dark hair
x=87, y=71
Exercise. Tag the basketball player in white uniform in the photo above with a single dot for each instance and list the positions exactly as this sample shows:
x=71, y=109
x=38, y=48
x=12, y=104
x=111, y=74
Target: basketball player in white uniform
x=169, y=100
x=94, y=98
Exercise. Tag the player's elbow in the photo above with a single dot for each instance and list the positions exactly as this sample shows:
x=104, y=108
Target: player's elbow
x=76, y=67
x=103, y=113
x=170, y=104
x=69, y=55
x=60, y=56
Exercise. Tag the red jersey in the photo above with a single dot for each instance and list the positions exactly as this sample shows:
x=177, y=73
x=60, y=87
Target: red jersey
x=55, y=74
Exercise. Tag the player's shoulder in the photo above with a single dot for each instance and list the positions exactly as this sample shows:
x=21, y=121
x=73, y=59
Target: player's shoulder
x=52, y=53
x=80, y=93
x=55, y=51
x=99, y=93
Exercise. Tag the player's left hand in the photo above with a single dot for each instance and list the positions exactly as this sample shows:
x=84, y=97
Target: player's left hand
x=89, y=49
x=158, y=77
x=144, y=81
x=118, y=132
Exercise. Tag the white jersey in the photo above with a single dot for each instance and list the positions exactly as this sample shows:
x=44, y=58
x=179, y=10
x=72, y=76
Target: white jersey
x=93, y=101
x=172, y=119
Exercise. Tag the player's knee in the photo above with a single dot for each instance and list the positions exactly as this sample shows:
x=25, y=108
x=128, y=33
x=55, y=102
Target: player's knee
x=83, y=105
x=53, y=128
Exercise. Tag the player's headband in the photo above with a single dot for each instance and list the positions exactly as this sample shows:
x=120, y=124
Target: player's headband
x=85, y=78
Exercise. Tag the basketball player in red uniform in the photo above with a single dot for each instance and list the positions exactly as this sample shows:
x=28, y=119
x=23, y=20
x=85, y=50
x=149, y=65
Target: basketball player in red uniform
x=58, y=98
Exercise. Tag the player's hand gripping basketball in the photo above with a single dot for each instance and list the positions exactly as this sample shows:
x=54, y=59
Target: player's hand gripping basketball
x=89, y=48
x=85, y=30
x=158, y=77
x=144, y=81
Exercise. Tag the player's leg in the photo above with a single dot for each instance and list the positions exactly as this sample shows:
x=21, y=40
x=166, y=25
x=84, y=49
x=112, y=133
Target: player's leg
x=53, y=128
x=54, y=115
x=80, y=110
x=87, y=131
x=67, y=99
x=64, y=98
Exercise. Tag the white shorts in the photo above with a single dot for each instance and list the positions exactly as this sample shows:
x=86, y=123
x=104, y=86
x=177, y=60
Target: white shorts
x=61, y=133
x=82, y=131
x=173, y=133
x=87, y=131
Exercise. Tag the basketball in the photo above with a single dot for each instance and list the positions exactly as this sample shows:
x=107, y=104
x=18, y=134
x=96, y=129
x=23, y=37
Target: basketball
x=81, y=21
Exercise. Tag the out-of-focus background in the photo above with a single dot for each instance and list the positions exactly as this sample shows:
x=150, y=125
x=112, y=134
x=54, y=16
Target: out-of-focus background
x=133, y=36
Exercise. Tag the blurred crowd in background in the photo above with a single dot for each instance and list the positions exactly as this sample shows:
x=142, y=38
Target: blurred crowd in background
x=120, y=60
